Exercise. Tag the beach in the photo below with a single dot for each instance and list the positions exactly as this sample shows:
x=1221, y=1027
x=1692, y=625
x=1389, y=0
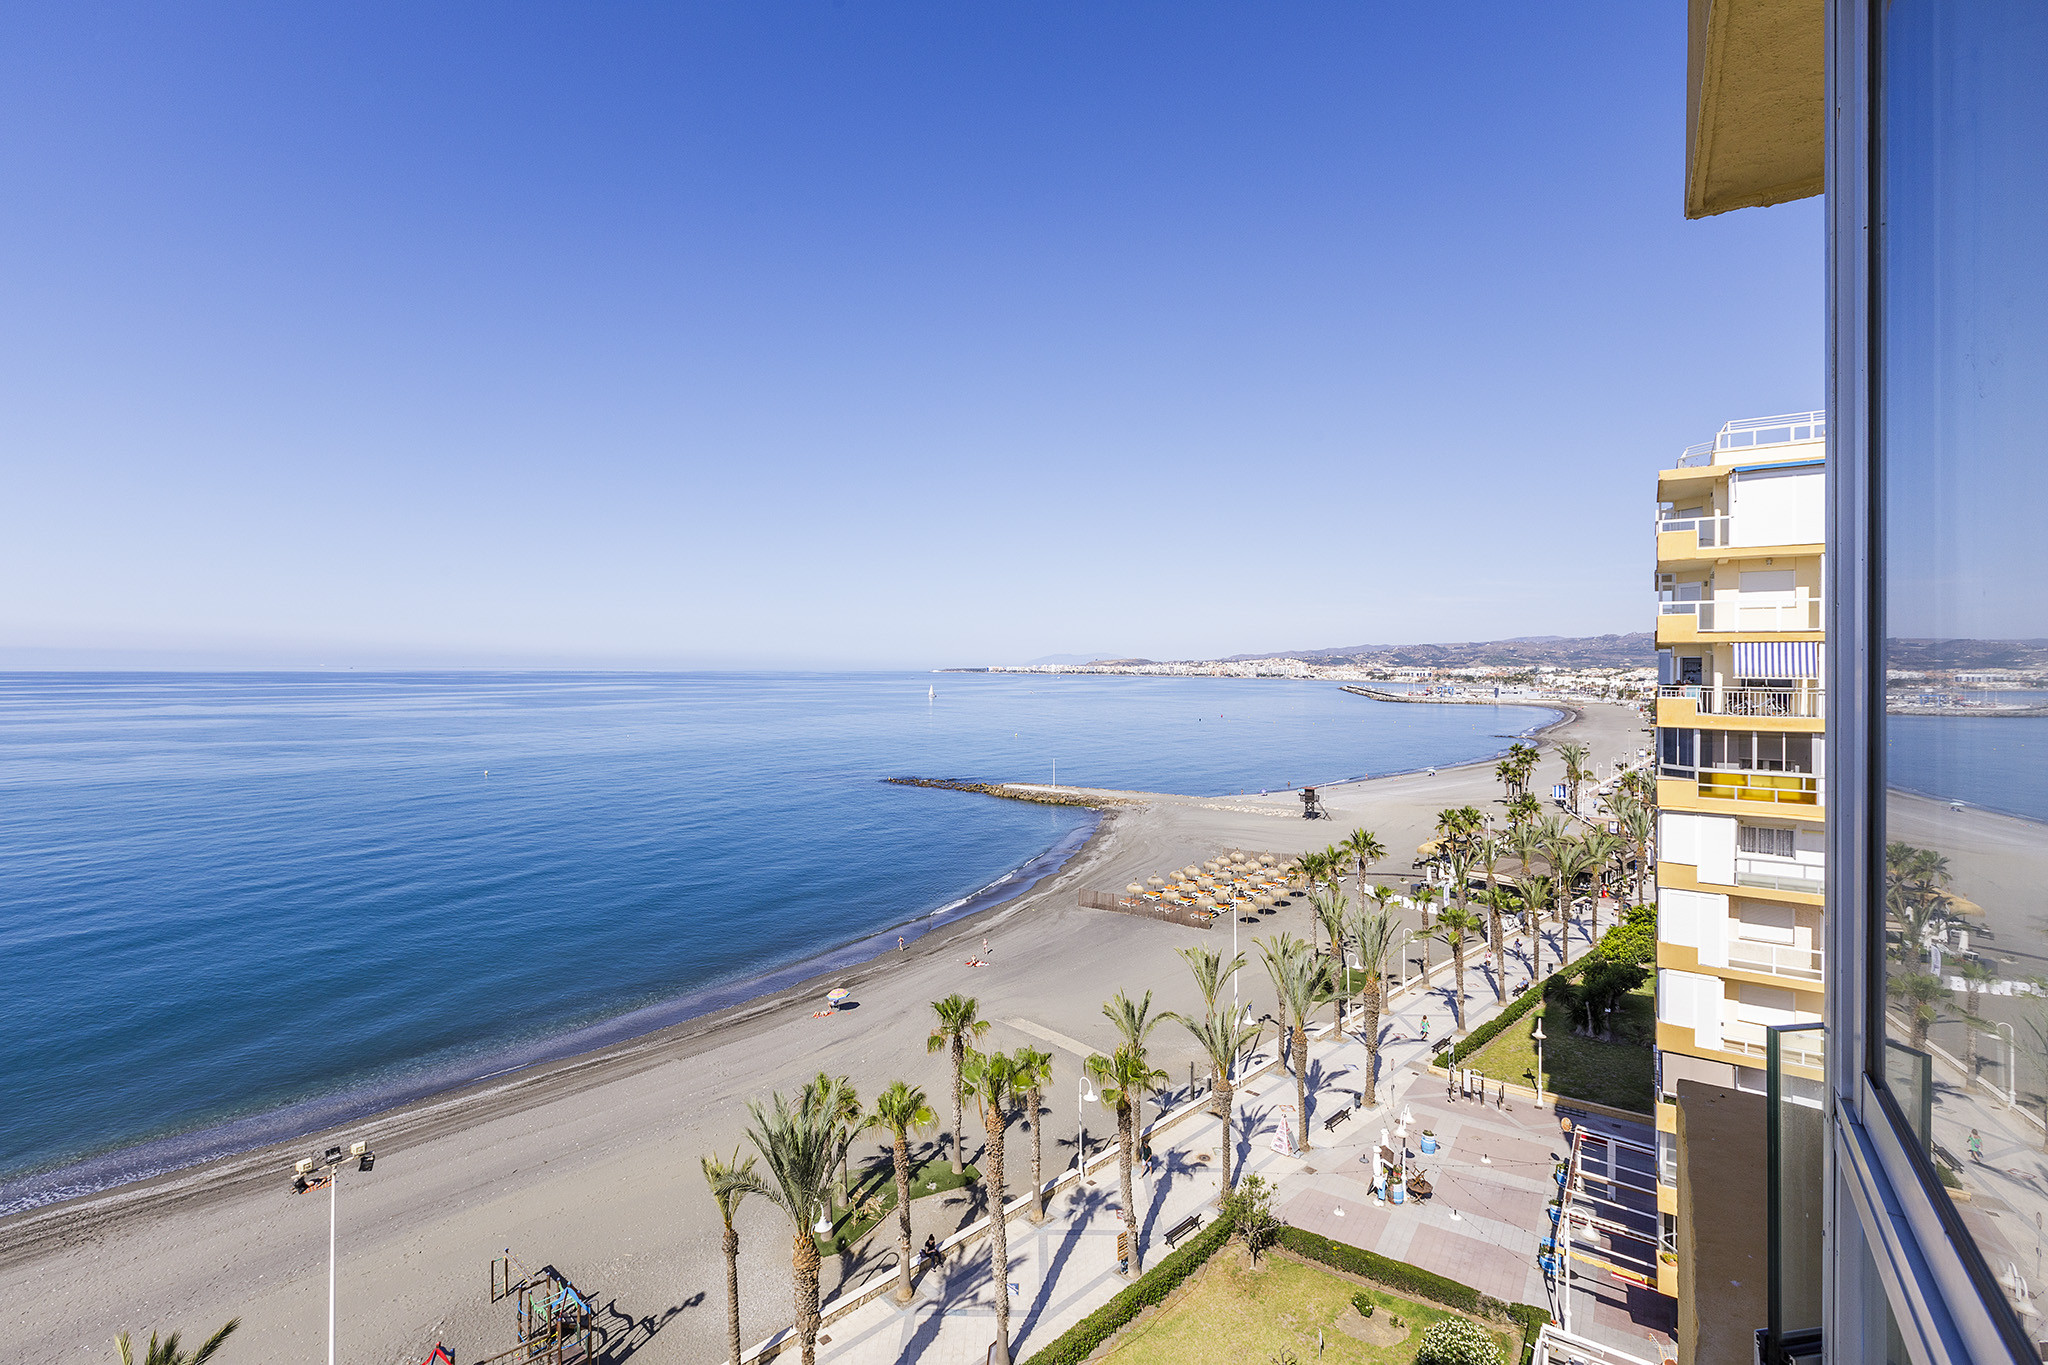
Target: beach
x=591, y=1164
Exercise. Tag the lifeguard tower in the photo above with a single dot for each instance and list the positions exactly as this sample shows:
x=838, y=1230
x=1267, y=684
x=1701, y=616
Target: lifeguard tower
x=1311, y=805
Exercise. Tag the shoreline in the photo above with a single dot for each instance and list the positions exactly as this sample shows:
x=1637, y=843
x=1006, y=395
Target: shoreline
x=143, y=1163
x=589, y=1162
x=168, y=1155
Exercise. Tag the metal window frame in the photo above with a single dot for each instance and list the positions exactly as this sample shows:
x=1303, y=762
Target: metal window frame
x=1947, y=1306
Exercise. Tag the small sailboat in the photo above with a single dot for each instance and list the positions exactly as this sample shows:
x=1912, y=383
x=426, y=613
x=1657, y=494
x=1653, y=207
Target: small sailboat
x=932, y=693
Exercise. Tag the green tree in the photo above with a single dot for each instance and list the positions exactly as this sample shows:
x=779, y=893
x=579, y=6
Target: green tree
x=1639, y=829
x=1332, y=911
x=731, y=1181
x=1534, y=891
x=839, y=1101
x=1486, y=855
x=1568, y=861
x=1601, y=851
x=800, y=1146
x=166, y=1352
x=1923, y=997
x=901, y=1109
x=992, y=1079
x=1034, y=1074
x=1223, y=1040
x=1249, y=1208
x=960, y=1023
x=1457, y=1341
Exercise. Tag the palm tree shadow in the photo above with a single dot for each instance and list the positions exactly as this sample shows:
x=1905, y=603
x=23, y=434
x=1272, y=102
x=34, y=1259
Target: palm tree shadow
x=1173, y=1163
x=956, y=1279
x=638, y=1332
x=1087, y=1204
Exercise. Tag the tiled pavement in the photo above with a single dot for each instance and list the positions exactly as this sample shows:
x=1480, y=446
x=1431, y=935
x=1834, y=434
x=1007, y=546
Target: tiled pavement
x=1492, y=1179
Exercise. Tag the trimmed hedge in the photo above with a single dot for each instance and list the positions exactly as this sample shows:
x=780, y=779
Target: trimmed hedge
x=1414, y=1282
x=1395, y=1275
x=1078, y=1342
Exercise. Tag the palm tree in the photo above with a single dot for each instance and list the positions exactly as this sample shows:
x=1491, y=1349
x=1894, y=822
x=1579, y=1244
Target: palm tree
x=1639, y=828
x=992, y=1079
x=732, y=1181
x=1601, y=848
x=1133, y=1019
x=1223, y=1041
x=166, y=1352
x=1452, y=926
x=1523, y=809
x=800, y=1145
x=1535, y=893
x=1976, y=976
x=1302, y=981
x=1034, y=1074
x=1426, y=897
x=900, y=1109
x=1486, y=855
x=959, y=1022
x=841, y=1103
x=1363, y=847
x=1377, y=933
x=1271, y=953
x=1575, y=770
x=1125, y=1078
x=1567, y=860
x=1331, y=911
x=1211, y=973
x=1923, y=995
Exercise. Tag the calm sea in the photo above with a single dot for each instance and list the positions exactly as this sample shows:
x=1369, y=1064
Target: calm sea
x=234, y=908
x=1999, y=763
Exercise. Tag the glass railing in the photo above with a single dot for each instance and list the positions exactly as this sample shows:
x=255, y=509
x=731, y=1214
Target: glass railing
x=1776, y=958
x=1712, y=531
x=1778, y=874
x=1783, y=429
x=1795, y=1144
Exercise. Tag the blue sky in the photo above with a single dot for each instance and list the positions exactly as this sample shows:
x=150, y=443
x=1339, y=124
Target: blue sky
x=806, y=335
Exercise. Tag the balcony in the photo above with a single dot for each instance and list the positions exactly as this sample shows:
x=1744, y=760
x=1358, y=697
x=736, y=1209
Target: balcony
x=1803, y=964
x=1795, y=1049
x=1769, y=787
x=1780, y=874
x=1770, y=703
x=1735, y=616
x=1735, y=439
x=1712, y=531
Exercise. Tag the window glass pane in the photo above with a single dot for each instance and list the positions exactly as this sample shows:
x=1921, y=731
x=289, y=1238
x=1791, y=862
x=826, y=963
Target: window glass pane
x=1962, y=443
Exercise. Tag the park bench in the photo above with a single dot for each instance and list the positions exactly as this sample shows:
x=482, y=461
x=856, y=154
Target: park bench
x=1341, y=1116
x=1182, y=1229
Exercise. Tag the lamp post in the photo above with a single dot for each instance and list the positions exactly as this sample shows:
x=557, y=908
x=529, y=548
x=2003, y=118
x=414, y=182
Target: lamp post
x=1083, y=1095
x=2012, y=1066
x=303, y=1180
x=1537, y=1035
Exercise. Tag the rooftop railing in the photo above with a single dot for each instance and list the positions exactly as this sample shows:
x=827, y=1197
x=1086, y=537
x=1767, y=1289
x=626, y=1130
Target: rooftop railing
x=1748, y=433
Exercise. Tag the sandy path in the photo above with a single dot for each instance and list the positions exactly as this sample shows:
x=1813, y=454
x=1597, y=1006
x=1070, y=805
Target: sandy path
x=591, y=1164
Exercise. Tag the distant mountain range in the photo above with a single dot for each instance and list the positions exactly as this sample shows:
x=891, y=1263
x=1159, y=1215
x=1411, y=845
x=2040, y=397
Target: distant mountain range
x=1940, y=655
x=1562, y=651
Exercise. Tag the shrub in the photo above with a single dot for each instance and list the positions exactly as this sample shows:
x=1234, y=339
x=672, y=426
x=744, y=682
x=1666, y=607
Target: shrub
x=1458, y=1341
x=1363, y=1303
x=1250, y=1208
x=1633, y=940
x=1078, y=1342
x=1399, y=1276
x=1470, y=1044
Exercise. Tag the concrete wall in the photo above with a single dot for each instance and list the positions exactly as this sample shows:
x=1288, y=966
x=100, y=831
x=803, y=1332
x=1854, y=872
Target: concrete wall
x=1722, y=1217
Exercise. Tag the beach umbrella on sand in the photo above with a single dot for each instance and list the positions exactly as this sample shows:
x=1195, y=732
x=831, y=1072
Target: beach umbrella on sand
x=1134, y=888
x=835, y=996
x=1267, y=860
x=1155, y=881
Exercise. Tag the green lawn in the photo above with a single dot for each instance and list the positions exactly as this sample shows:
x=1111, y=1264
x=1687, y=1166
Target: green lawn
x=1230, y=1314
x=1621, y=1073
x=874, y=1197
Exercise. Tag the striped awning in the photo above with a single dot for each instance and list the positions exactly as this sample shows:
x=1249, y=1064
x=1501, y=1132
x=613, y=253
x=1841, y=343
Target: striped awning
x=1777, y=659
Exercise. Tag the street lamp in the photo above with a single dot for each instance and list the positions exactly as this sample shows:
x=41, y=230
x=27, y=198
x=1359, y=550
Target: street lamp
x=1537, y=1035
x=1084, y=1095
x=303, y=1180
x=2012, y=1065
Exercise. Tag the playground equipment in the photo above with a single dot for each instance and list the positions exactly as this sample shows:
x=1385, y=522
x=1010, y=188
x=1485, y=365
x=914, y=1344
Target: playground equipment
x=558, y=1324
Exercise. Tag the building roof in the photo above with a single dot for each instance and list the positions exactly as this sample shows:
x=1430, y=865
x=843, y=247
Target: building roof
x=1755, y=103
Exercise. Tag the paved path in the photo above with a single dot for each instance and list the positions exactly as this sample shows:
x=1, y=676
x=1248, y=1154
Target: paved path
x=1492, y=1178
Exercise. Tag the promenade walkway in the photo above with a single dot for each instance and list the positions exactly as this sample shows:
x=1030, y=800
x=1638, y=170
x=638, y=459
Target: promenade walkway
x=1492, y=1177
